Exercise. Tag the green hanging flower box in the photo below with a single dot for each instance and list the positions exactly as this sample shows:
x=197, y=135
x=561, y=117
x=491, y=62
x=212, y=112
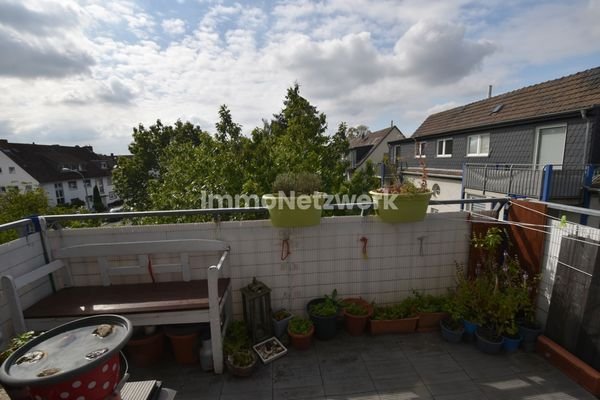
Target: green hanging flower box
x=403, y=207
x=294, y=211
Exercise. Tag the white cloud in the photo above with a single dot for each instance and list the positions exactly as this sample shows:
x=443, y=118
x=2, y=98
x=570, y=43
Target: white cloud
x=359, y=61
x=439, y=53
x=173, y=26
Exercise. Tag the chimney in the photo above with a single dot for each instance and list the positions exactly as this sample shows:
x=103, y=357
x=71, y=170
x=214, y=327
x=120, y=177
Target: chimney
x=489, y=91
x=392, y=124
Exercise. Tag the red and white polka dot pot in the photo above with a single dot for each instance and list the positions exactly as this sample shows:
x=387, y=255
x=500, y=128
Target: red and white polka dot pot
x=76, y=361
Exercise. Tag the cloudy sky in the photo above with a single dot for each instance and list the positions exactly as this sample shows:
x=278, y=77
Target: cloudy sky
x=86, y=72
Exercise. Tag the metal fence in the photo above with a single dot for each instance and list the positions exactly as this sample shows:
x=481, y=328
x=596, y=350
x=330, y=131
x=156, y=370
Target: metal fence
x=566, y=181
x=514, y=179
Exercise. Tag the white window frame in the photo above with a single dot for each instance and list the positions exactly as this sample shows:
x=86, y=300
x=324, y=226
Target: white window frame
x=537, y=141
x=437, y=147
x=479, y=153
x=420, y=146
x=59, y=192
x=72, y=185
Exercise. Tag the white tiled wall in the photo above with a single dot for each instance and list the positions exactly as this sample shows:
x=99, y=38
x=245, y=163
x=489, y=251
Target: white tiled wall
x=323, y=258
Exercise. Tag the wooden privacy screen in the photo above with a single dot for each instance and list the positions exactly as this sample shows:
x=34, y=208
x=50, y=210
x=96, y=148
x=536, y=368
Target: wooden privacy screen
x=527, y=243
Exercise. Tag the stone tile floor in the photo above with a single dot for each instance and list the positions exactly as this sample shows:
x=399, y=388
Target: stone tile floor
x=408, y=367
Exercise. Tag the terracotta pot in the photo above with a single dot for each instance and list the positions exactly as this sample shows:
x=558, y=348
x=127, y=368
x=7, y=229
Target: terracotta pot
x=301, y=342
x=404, y=325
x=185, y=348
x=147, y=350
x=430, y=321
x=355, y=324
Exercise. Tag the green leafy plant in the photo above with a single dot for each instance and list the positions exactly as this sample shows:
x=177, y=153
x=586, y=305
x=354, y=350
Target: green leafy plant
x=430, y=303
x=237, y=338
x=243, y=358
x=328, y=307
x=451, y=307
x=501, y=291
x=298, y=183
x=404, y=309
x=299, y=325
x=17, y=342
x=356, y=309
x=281, y=314
x=401, y=185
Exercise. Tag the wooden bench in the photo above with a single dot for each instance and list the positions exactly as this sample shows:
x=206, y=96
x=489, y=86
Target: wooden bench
x=157, y=303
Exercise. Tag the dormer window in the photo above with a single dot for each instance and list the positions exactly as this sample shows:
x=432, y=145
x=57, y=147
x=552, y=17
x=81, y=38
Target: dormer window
x=103, y=165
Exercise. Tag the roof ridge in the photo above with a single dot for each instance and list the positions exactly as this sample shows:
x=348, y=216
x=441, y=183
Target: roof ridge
x=518, y=90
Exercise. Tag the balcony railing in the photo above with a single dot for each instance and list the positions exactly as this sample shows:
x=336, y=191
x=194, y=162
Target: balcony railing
x=548, y=182
x=519, y=179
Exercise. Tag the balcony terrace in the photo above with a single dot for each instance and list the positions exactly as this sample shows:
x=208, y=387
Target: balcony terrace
x=299, y=264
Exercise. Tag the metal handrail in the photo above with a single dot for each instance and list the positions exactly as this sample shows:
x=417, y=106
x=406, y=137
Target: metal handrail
x=216, y=212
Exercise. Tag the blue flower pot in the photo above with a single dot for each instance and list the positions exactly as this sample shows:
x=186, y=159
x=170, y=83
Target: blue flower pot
x=486, y=343
x=450, y=335
x=529, y=335
x=470, y=328
x=511, y=345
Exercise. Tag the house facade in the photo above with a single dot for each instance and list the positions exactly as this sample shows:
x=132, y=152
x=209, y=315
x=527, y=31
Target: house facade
x=541, y=141
x=370, y=146
x=68, y=174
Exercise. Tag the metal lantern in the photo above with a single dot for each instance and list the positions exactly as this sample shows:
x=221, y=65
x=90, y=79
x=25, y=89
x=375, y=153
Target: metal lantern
x=256, y=298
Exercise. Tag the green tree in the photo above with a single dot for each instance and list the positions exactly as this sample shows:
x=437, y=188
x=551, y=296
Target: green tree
x=363, y=180
x=135, y=174
x=15, y=205
x=97, y=200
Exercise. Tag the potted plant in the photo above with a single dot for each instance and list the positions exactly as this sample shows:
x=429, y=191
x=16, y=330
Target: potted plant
x=300, y=331
x=16, y=342
x=451, y=326
x=403, y=200
x=281, y=318
x=237, y=349
x=184, y=341
x=356, y=315
x=241, y=362
x=431, y=310
x=295, y=201
x=397, y=318
x=323, y=312
x=145, y=347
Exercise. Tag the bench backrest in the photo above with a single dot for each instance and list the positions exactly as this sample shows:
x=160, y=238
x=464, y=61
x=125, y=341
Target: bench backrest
x=144, y=250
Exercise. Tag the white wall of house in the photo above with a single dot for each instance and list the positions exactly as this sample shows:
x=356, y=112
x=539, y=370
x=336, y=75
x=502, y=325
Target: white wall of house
x=12, y=175
x=380, y=150
x=74, y=188
x=449, y=189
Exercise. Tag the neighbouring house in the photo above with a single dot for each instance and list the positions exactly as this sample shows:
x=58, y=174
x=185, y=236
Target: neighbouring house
x=541, y=141
x=66, y=173
x=370, y=146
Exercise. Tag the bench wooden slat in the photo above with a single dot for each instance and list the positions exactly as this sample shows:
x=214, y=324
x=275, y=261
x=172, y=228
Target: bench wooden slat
x=124, y=299
x=142, y=247
x=38, y=273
